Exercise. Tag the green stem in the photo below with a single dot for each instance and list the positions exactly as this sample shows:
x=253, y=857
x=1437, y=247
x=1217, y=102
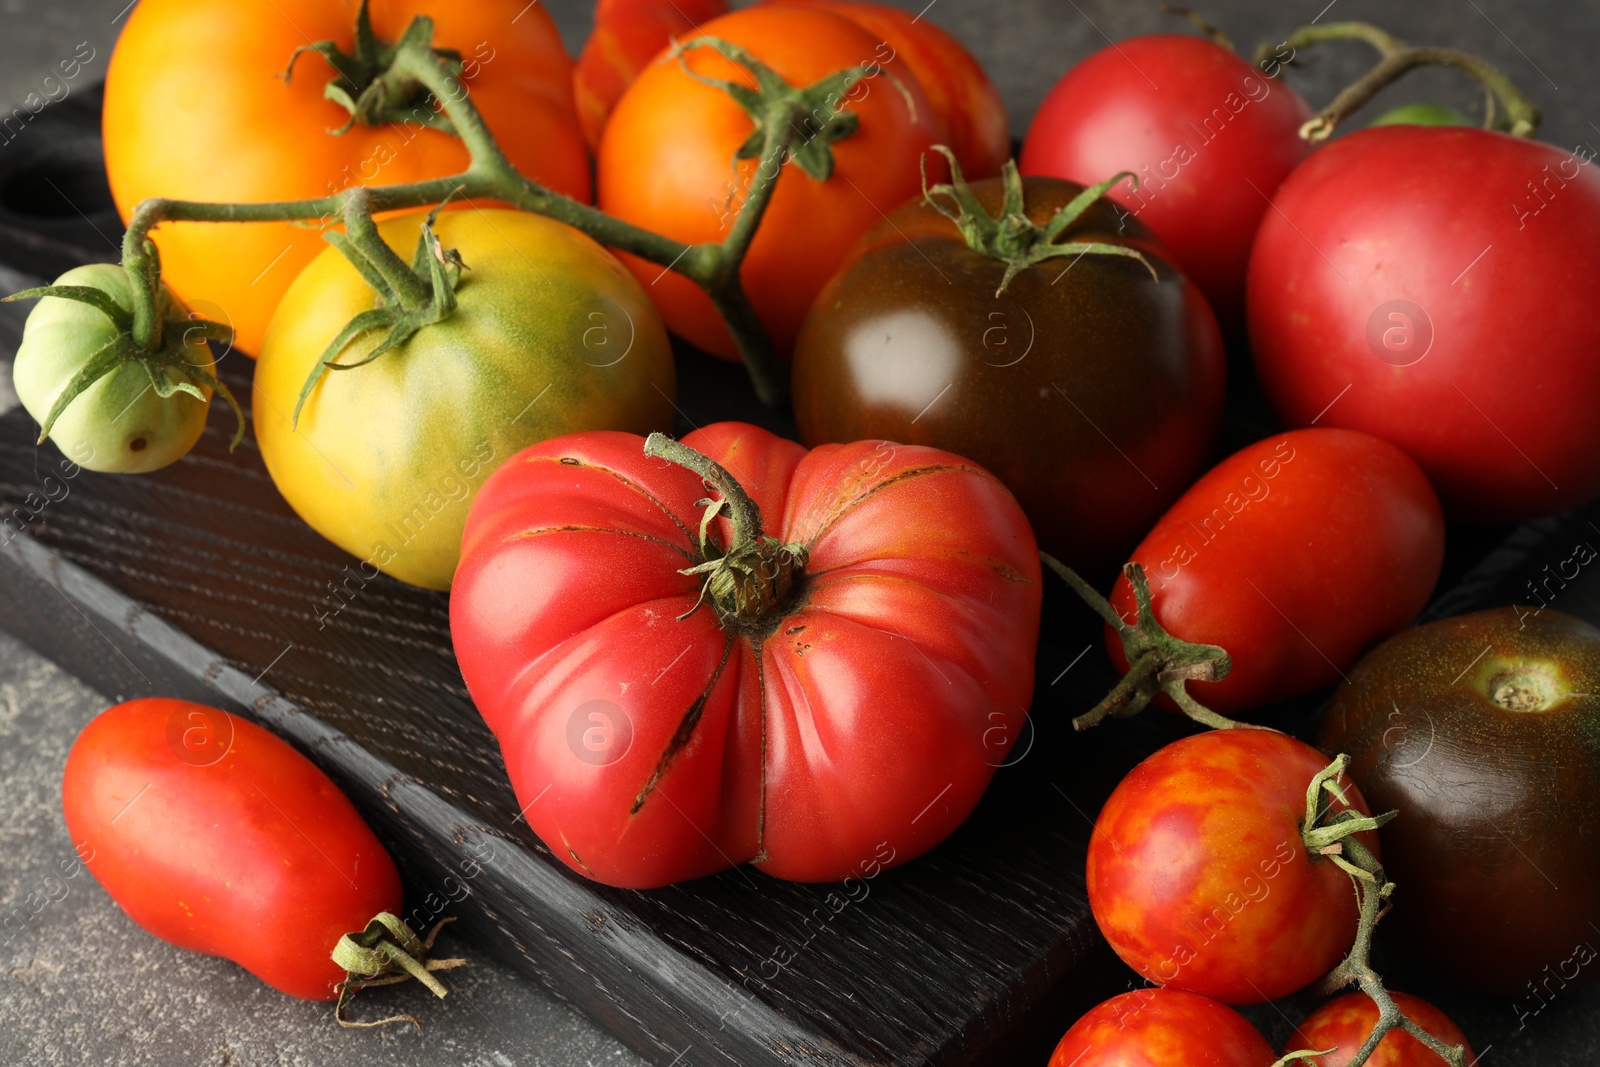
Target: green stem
x=412, y=292
x=744, y=512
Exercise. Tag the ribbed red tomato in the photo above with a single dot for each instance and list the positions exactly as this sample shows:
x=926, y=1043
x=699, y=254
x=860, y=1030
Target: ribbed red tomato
x=1343, y=1024
x=213, y=834
x=1162, y=1028
x=1200, y=880
x=836, y=707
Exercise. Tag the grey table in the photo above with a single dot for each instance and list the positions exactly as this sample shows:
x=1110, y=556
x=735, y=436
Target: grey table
x=79, y=983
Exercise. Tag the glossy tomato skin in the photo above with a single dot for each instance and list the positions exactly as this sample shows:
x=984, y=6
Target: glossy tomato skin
x=1496, y=854
x=958, y=89
x=1296, y=554
x=1403, y=285
x=627, y=35
x=216, y=836
x=1090, y=391
x=1162, y=1028
x=1198, y=876
x=1209, y=136
x=666, y=161
x=1344, y=1023
x=895, y=681
x=205, y=76
x=550, y=335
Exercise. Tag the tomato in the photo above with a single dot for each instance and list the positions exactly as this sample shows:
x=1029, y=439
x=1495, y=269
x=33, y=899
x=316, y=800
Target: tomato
x=120, y=423
x=1087, y=386
x=667, y=162
x=835, y=710
x=1344, y=1024
x=1402, y=285
x=1198, y=875
x=1209, y=136
x=627, y=35
x=214, y=835
x=1422, y=114
x=1162, y=1028
x=1484, y=732
x=550, y=335
x=1296, y=554
x=958, y=90
x=204, y=78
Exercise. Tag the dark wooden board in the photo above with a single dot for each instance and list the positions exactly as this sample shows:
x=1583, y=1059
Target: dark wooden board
x=198, y=581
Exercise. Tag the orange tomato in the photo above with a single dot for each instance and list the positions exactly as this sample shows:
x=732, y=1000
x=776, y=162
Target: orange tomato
x=196, y=108
x=667, y=162
x=627, y=35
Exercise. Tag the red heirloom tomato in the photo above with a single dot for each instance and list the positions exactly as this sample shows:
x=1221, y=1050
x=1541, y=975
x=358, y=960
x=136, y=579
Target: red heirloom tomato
x=821, y=702
x=1209, y=136
x=216, y=836
x=1345, y=1023
x=1162, y=1028
x=197, y=108
x=627, y=35
x=961, y=94
x=1198, y=875
x=1432, y=286
x=667, y=162
x=1295, y=555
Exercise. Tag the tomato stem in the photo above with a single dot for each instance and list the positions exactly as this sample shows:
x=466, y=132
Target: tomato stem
x=1199, y=21
x=1328, y=831
x=370, y=957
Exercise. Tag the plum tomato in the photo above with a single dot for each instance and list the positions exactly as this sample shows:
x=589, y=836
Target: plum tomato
x=1343, y=1024
x=1209, y=136
x=1200, y=880
x=1162, y=1028
x=1090, y=387
x=1404, y=284
x=1295, y=554
x=1484, y=731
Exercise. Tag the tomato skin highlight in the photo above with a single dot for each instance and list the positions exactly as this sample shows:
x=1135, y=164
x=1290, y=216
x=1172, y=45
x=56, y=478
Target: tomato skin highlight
x=1162, y=1028
x=1295, y=554
x=1344, y=1023
x=1435, y=237
x=1198, y=876
x=1210, y=139
x=250, y=853
x=810, y=747
x=192, y=77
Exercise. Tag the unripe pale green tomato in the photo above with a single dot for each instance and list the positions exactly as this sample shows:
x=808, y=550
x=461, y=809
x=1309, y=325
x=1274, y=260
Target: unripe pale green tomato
x=120, y=423
x=1422, y=115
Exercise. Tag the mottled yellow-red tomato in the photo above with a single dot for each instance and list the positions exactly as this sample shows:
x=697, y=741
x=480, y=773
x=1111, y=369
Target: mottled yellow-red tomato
x=1342, y=1024
x=1162, y=1028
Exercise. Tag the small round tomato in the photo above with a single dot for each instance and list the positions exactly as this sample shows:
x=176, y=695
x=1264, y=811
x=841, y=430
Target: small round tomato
x=216, y=836
x=1199, y=878
x=550, y=335
x=667, y=162
x=207, y=77
x=1295, y=555
x=1162, y=1028
x=120, y=423
x=1405, y=284
x=1342, y=1025
x=1209, y=136
x=1484, y=732
x=1091, y=386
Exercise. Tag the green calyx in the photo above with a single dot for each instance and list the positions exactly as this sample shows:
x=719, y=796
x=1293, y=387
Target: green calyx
x=368, y=85
x=167, y=360
x=1157, y=661
x=384, y=953
x=754, y=580
x=1013, y=238
x=407, y=297
x=814, y=116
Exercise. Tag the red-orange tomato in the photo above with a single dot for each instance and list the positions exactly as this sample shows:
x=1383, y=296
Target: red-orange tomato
x=1198, y=876
x=1342, y=1024
x=196, y=108
x=216, y=836
x=667, y=162
x=958, y=89
x=1162, y=1028
x=627, y=35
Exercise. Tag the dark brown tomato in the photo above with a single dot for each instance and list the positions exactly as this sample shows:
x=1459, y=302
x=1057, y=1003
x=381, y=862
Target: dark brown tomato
x=1088, y=387
x=1484, y=732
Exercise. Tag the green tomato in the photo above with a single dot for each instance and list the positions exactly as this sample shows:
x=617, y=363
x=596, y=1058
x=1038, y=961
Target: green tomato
x=1422, y=115
x=550, y=335
x=120, y=423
